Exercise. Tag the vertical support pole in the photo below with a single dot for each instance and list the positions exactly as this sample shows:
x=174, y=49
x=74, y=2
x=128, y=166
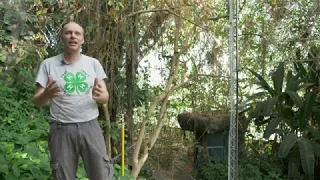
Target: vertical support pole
x=233, y=130
x=122, y=149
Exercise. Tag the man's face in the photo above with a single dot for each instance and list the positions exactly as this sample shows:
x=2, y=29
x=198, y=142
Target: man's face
x=72, y=37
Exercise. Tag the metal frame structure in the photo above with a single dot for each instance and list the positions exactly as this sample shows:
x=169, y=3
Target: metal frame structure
x=233, y=65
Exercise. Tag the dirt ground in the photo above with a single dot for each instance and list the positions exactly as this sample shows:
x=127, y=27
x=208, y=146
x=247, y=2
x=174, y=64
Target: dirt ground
x=182, y=168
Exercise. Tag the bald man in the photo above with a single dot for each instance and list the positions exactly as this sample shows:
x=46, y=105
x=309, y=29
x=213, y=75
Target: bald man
x=74, y=83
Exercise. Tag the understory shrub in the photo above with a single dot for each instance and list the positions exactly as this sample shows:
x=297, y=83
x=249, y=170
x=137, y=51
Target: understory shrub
x=251, y=166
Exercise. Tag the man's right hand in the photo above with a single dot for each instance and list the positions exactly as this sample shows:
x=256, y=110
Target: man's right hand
x=43, y=95
x=52, y=90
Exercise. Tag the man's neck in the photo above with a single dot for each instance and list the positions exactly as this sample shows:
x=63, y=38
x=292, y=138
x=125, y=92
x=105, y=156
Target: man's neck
x=71, y=57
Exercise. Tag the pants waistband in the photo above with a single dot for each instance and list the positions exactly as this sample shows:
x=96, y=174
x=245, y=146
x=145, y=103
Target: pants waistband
x=57, y=123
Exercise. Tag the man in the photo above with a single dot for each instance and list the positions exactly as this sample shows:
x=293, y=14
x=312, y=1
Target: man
x=74, y=84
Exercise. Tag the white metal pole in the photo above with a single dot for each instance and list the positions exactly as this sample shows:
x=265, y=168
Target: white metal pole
x=233, y=130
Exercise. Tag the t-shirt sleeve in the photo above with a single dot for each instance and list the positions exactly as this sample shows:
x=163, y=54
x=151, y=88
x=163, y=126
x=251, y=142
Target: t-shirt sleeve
x=100, y=73
x=42, y=76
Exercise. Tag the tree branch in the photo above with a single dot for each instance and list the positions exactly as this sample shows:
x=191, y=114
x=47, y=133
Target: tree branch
x=163, y=115
x=169, y=11
x=219, y=17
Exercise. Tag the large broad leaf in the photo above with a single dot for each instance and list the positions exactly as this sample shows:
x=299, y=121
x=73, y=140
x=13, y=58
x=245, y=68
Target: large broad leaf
x=293, y=82
x=32, y=150
x=258, y=109
x=15, y=170
x=278, y=78
x=307, y=109
x=289, y=81
x=271, y=127
x=269, y=105
x=263, y=83
x=317, y=115
x=313, y=75
x=316, y=148
x=3, y=159
x=4, y=168
x=255, y=96
x=295, y=98
x=286, y=145
x=307, y=157
x=300, y=69
x=294, y=164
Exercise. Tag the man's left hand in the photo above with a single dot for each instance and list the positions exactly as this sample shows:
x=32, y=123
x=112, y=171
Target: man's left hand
x=99, y=92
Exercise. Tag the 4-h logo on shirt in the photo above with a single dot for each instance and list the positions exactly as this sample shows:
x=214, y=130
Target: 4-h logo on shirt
x=75, y=83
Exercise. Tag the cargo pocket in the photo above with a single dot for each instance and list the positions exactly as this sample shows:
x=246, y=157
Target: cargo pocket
x=108, y=168
x=56, y=170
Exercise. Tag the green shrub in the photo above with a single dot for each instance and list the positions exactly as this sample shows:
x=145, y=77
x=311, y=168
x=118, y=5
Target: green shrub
x=251, y=166
x=23, y=129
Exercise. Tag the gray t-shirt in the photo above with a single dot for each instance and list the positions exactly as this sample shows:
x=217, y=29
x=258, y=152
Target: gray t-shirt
x=75, y=81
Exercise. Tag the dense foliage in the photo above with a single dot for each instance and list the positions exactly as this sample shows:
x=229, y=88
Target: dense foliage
x=279, y=80
x=23, y=150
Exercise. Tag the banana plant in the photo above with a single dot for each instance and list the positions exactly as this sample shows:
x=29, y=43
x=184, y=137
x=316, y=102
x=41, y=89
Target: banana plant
x=282, y=109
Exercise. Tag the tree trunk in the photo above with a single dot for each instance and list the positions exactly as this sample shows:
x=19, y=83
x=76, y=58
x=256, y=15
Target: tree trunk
x=131, y=68
x=107, y=129
x=146, y=144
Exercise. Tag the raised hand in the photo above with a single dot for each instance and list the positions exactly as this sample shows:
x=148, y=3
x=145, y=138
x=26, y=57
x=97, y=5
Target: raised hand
x=96, y=90
x=52, y=90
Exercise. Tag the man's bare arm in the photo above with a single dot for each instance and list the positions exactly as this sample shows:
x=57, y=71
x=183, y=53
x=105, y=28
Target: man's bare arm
x=39, y=98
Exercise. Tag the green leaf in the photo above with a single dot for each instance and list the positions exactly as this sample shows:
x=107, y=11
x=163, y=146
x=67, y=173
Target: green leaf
x=3, y=159
x=255, y=96
x=4, y=168
x=117, y=166
x=288, y=142
x=15, y=170
x=289, y=81
x=263, y=82
x=306, y=112
x=269, y=105
x=38, y=12
x=278, y=78
x=301, y=70
x=294, y=164
x=258, y=109
x=10, y=176
x=32, y=150
x=316, y=148
x=295, y=98
x=307, y=157
x=317, y=115
x=271, y=127
x=120, y=4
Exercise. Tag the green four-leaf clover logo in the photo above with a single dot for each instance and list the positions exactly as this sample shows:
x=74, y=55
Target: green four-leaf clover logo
x=75, y=82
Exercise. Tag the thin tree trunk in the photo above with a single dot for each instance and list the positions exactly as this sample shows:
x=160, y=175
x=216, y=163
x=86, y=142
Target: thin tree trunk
x=107, y=130
x=131, y=68
x=139, y=158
